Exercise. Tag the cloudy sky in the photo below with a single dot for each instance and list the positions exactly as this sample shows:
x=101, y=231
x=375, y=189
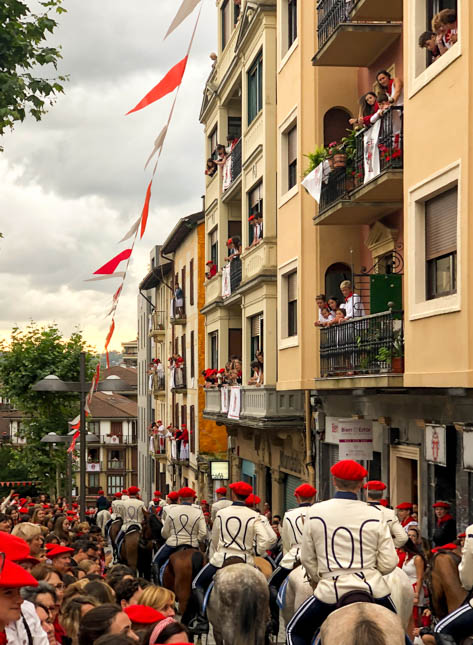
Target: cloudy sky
x=72, y=184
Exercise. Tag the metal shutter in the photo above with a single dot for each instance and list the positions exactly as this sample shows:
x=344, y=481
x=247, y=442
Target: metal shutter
x=441, y=224
x=290, y=486
x=292, y=145
x=292, y=286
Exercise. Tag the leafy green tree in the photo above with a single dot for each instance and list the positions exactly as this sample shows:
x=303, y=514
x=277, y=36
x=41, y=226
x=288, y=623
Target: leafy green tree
x=23, y=52
x=27, y=357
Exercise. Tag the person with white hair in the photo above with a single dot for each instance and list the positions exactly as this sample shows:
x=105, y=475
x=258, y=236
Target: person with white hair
x=353, y=305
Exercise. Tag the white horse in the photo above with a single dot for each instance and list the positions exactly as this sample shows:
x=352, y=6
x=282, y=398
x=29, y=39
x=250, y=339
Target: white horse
x=299, y=589
x=102, y=518
x=362, y=624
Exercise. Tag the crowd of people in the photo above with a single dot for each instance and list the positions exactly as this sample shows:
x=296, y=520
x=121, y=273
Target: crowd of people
x=178, y=438
x=442, y=36
x=332, y=311
x=231, y=374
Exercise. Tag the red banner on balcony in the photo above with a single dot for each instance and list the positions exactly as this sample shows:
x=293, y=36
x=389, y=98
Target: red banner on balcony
x=168, y=84
x=110, y=266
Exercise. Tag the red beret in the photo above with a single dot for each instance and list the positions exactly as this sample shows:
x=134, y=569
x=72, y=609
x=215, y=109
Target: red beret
x=118, y=495
x=24, y=511
x=441, y=505
x=13, y=547
x=156, y=500
x=305, y=490
x=251, y=218
x=241, y=488
x=22, y=500
x=58, y=550
x=461, y=535
x=252, y=499
x=12, y=575
x=383, y=502
x=185, y=491
x=404, y=506
x=446, y=547
x=124, y=491
x=16, y=495
x=157, y=493
x=221, y=491
x=209, y=262
x=348, y=470
x=221, y=370
x=173, y=496
x=203, y=502
x=229, y=241
x=143, y=614
x=31, y=504
x=374, y=484
x=133, y=490
x=101, y=492
x=75, y=505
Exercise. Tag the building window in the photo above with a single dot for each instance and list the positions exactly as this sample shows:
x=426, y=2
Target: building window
x=291, y=22
x=183, y=415
x=176, y=415
x=441, y=244
x=255, y=205
x=213, y=244
x=291, y=303
x=255, y=89
x=115, y=484
x=192, y=428
x=191, y=282
x=234, y=126
x=226, y=18
x=213, y=339
x=256, y=338
x=292, y=157
x=94, y=481
x=213, y=143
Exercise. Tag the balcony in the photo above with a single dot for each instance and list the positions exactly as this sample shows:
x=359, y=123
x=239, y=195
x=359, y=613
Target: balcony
x=116, y=464
x=158, y=447
x=231, y=278
x=259, y=260
x=259, y=407
x=358, y=198
x=178, y=380
x=178, y=314
x=117, y=439
x=375, y=11
x=343, y=42
x=231, y=174
x=93, y=467
x=370, y=348
x=212, y=189
x=158, y=325
x=159, y=386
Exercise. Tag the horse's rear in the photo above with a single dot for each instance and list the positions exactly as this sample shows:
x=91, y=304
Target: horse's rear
x=445, y=586
x=239, y=606
x=363, y=624
x=182, y=568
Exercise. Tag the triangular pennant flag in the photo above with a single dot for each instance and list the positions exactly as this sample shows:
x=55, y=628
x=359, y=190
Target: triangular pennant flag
x=97, y=375
x=158, y=144
x=186, y=8
x=118, y=274
x=73, y=442
x=144, y=214
x=108, y=359
x=110, y=266
x=117, y=293
x=114, y=308
x=110, y=334
x=169, y=83
x=132, y=231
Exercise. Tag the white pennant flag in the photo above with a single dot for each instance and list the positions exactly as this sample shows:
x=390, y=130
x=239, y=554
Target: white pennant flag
x=132, y=230
x=158, y=144
x=118, y=274
x=186, y=8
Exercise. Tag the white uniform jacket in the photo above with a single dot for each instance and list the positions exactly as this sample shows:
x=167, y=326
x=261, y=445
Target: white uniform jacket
x=217, y=506
x=131, y=512
x=291, y=535
x=398, y=532
x=465, y=568
x=184, y=524
x=16, y=632
x=237, y=530
x=272, y=537
x=348, y=545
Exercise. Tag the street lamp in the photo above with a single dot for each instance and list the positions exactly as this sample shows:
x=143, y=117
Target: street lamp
x=54, y=384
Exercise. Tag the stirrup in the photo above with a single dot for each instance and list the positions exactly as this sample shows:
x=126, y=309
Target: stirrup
x=199, y=625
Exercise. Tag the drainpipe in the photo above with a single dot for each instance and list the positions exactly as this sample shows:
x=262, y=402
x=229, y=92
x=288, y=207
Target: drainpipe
x=308, y=439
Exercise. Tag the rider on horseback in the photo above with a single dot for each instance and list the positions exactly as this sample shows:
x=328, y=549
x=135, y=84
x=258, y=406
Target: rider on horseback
x=374, y=493
x=292, y=527
x=131, y=510
x=347, y=545
x=234, y=533
x=184, y=525
x=221, y=502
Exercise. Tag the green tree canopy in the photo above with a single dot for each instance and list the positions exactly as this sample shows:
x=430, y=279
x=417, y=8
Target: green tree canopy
x=23, y=52
x=27, y=357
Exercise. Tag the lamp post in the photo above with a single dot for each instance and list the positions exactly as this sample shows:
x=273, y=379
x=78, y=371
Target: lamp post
x=54, y=384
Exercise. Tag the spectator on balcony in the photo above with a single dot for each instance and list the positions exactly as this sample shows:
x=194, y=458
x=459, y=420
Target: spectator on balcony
x=178, y=301
x=333, y=304
x=211, y=270
x=383, y=106
x=321, y=302
x=211, y=167
x=428, y=40
x=260, y=358
x=234, y=248
x=257, y=376
x=184, y=451
x=391, y=86
x=368, y=106
x=444, y=23
x=353, y=305
x=259, y=227
x=151, y=372
x=221, y=155
x=252, y=222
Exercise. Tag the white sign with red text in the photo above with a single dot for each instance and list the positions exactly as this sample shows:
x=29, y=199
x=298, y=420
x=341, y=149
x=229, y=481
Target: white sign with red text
x=355, y=439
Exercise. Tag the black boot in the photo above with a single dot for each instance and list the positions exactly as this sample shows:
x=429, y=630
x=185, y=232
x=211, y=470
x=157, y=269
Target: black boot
x=273, y=627
x=199, y=624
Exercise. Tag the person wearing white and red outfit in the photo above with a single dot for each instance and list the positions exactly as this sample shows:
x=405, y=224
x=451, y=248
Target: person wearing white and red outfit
x=392, y=87
x=404, y=513
x=446, y=528
x=353, y=305
x=374, y=493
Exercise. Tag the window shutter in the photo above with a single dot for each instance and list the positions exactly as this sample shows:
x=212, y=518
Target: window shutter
x=192, y=428
x=191, y=282
x=292, y=286
x=255, y=197
x=213, y=237
x=256, y=325
x=441, y=224
x=292, y=145
x=192, y=355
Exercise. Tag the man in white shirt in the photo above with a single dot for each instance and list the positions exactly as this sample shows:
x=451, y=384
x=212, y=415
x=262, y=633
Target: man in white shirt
x=374, y=495
x=222, y=501
x=352, y=305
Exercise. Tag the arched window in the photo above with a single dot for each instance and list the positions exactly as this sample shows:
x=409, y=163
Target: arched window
x=335, y=124
x=335, y=274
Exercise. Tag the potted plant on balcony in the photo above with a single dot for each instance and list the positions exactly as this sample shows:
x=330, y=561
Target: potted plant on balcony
x=336, y=151
x=315, y=158
x=384, y=356
x=397, y=355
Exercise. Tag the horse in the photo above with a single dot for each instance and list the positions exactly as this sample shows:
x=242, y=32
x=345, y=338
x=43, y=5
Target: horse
x=102, y=518
x=264, y=566
x=136, y=550
x=238, y=607
x=182, y=568
x=362, y=623
x=447, y=593
x=297, y=591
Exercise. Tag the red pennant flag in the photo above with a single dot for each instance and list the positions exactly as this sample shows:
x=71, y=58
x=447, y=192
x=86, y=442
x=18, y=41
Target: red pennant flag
x=75, y=436
x=97, y=374
x=110, y=334
x=169, y=83
x=108, y=359
x=144, y=214
x=110, y=266
x=116, y=295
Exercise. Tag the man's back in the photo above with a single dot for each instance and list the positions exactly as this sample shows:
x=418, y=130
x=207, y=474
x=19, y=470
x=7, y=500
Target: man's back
x=291, y=534
x=218, y=505
x=184, y=524
x=398, y=533
x=131, y=511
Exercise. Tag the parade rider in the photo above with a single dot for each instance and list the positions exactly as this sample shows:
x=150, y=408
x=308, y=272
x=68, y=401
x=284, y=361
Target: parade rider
x=291, y=534
x=347, y=546
x=184, y=525
x=222, y=501
x=374, y=494
x=131, y=510
x=235, y=532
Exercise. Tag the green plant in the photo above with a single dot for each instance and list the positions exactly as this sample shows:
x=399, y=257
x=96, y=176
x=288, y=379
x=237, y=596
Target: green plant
x=384, y=355
x=349, y=148
x=315, y=158
x=364, y=362
x=398, y=345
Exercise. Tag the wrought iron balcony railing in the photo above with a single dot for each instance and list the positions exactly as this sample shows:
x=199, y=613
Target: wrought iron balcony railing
x=330, y=14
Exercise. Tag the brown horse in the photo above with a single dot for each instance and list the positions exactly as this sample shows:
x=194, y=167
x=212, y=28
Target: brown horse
x=445, y=586
x=137, y=546
x=181, y=570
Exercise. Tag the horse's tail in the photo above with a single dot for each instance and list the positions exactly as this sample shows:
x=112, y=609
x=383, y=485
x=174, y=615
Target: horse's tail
x=367, y=631
x=249, y=616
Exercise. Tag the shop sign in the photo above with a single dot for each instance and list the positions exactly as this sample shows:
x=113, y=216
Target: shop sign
x=219, y=470
x=435, y=444
x=355, y=439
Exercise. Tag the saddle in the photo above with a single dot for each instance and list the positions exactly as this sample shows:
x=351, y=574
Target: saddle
x=132, y=529
x=354, y=596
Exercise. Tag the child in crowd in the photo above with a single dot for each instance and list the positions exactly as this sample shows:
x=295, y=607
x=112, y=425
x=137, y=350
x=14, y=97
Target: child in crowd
x=368, y=107
x=428, y=40
x=211, y=167
x=321, y=302
x=384, y=105
x=445, y=26
x=221, y=155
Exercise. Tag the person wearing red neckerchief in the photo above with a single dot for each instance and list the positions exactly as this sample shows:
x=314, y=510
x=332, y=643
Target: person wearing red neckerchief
x=353, y=305
x=446, y=528
x=404, y=512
